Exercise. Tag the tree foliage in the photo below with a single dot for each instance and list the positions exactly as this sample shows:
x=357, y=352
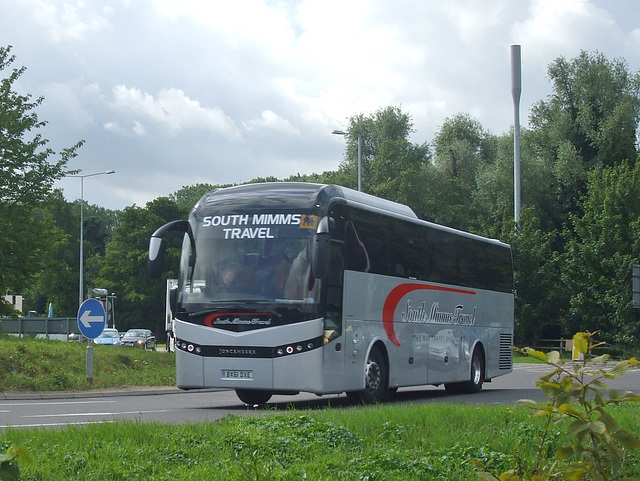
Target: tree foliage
x=27, y=175
x=589, y=122
x=573, y=249
x=392, y=166
x=58, y=283
x=26, y=179
x=124, y=267
x=602, y=246
x=462, y=149
x=188, y=196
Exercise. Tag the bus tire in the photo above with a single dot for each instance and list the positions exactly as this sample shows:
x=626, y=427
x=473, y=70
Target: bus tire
x=253, y=396
x=474, y=384
x=375, y=380
x=477, y=372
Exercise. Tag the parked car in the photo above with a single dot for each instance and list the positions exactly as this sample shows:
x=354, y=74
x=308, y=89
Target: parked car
x=109, y=336
x=76, y=337
x=139, y=338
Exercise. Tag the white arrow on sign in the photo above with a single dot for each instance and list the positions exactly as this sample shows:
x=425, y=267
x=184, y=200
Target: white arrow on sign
x=87, y=319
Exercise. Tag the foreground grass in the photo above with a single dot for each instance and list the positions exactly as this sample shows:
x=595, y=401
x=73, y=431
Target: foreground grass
x=388, y=442
x=42, y=365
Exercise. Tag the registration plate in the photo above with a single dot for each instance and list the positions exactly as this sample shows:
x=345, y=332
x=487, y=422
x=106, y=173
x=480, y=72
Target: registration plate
x=236, y=374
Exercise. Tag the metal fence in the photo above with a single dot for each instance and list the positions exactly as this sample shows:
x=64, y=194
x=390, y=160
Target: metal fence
x=47, y=327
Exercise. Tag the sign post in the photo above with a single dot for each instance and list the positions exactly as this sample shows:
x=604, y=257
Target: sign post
x=91, y=321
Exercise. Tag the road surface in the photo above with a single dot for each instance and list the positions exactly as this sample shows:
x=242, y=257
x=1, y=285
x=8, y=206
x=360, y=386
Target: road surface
x=171, y=405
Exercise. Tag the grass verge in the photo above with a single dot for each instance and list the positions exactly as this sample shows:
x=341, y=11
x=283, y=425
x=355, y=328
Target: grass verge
x=42, y=365
x=426, y=442
x=387, y=442
x=38, y=365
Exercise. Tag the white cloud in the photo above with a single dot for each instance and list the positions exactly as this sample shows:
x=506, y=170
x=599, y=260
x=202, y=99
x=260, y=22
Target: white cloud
x=111, y=126
x=174, y=110
x=173, y=92
x=138, y=128
x=67, y=21
x=270, y=120
x=567, y=26
x=245, y=20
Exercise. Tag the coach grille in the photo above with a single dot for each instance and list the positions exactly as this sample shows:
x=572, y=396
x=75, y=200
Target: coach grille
x=505, y=360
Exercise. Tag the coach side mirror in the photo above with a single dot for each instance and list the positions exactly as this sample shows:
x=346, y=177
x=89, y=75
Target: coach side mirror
x=320, y=250
x=157, y=246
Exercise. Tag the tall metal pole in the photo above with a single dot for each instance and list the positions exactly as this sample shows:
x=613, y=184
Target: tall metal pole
x=81, y=283
x=516, y=91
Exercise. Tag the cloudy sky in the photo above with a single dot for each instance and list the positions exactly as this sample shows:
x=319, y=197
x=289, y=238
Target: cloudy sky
x=170, y=93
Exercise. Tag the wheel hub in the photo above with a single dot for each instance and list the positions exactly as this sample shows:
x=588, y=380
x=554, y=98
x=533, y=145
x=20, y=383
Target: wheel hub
x=373, y=376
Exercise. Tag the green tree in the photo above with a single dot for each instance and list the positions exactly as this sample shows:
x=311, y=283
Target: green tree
x=26, y=179
x=400, y=171
x=589, y=122
x=188, y=196
x=387, y=124
x=141, y=302
x=537, y=277
x=392, y=167
x=57, y=283
x=461, y=148
x=493, y=194
x=602, y=245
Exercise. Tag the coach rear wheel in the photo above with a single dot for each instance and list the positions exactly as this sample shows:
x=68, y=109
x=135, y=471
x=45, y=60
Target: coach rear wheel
x=253, y=396
x=477, y=373
x=375, y=384
x=474, y=384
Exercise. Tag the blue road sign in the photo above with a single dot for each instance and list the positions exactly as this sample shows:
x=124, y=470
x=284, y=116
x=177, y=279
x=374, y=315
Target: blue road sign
x=91, y=318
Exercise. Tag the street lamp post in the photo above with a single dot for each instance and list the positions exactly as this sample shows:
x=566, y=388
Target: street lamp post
x=341, y=132
x=81, y=285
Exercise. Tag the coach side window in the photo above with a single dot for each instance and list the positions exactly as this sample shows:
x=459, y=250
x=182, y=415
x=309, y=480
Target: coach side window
x=333, y=292
x=357, y=258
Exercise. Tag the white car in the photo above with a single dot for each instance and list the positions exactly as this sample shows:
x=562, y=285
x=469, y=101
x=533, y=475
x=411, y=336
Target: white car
x=109, y=337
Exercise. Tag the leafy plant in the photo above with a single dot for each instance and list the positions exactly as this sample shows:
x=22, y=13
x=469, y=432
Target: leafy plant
x=595, y=444
x=9, y=469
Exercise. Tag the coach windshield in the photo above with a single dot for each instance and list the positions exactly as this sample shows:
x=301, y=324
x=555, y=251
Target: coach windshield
x=245, y=259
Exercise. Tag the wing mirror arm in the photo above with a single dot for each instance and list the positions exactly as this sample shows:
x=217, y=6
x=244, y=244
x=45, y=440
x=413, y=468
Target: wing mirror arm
x=157, y=246
x=320, y=250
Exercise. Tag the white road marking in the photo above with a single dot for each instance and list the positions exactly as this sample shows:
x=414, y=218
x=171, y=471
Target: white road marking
x=52, y=403
x=94, y=414
x=48, y=425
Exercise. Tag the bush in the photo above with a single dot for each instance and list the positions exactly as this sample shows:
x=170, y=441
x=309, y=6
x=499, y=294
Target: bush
x=578, y=398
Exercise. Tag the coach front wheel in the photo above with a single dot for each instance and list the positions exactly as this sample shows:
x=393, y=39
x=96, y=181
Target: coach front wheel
x=375, y=385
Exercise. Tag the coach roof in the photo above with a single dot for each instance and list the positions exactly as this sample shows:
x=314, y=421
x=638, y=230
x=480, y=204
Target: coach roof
x=287, y=195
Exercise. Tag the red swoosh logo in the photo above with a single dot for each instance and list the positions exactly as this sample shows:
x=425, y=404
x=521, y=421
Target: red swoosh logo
x=396, y=295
